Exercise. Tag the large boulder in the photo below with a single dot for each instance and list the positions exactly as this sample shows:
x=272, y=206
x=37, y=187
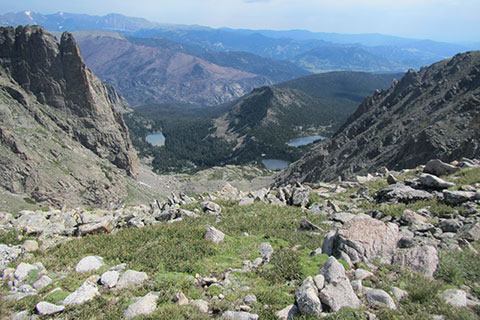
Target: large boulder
x=458, y=197
x=457, y=298
x=90, y=263
x=307, y=299
x=214, y=235
x=364, y=239
x=400, y=192
x=420, y=259
x=45, y=308
x=235, y=315
x=131, y=278
x=433, y=182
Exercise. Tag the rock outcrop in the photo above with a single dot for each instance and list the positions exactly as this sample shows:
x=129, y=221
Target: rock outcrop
x=430, y=114
x=61, y=138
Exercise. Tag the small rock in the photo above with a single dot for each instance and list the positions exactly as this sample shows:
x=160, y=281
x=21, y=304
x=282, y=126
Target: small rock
x=450, y=225
x=23, y=315
x=210, y=207
x=90, y=263
x=266, y=251
x=319, y=281
x=307, y=299
x=131, y=278
x=249, y=299
x=85, y=293
x=30, y=245
x=245, y=202
x=102, y=226
x=400, y=192
x=398, y=293
x=391, y=179
x=343, y=217
x=357, y=285
x=288, y=313
x=45, y=308
x=181, y=299
x=470, y=232
x=214, y=235
x=457, y=298
x=109, y=279
x=309, y=226
x=145, y=305
x=361, y=274
x=458, y=197
x=202, y=305
x=411, y=217
x=234, y=315
x=42, y=283
x=380, y=298
x=23, y=269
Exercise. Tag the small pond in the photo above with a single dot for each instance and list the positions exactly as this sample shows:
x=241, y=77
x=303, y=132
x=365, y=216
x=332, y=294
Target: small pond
x=156, y=139
x=304, y=141
x=275, y=164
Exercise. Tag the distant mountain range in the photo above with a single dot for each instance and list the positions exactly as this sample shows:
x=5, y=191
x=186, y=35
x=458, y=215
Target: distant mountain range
x=209, y=66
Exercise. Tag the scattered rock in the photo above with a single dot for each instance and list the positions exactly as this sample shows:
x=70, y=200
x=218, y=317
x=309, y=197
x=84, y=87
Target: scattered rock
x=380, y=298
x=89, y=264
x=180, y=299
x=45, y=309
x=456, y=298
x=245, y=202
x=439, y=168
x=421, y=259
x=211, y=207
x=432, y=182
x=266, y=251
x=288, y=313
x=450, y=225
x=401, y=193
x=23, y=315
x=131, y=278
x=202, y=305
x=234, y=315
x=102, y=226
x=456, y=198
x=109, y=279
x=9, y=254
x=470, y=232
x=300, y=197
x=23, y=269
x=144, y=305
x=214, y=235
x=306, y=297
x=249, y=299
x=343, y=217
x=42, y=283
x=30, y=245
x=411, y=217
x=398, y=293
x=85, y=293
x=361, y=274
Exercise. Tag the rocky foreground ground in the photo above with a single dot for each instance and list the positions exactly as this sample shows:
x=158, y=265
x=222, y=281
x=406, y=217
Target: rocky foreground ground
x=387, y=245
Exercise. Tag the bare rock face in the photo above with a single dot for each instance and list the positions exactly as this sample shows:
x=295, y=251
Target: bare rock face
x=66, y=140
x=421, y=259
x=430, y=114
x=364, y=239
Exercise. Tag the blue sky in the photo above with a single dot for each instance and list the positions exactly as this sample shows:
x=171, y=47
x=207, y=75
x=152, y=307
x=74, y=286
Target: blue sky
x=447, y=20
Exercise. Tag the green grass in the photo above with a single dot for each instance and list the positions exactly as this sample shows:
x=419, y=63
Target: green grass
x=465, y=177
x=459, y=267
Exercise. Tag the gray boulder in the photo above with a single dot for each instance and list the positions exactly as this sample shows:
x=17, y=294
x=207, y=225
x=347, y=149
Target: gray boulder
x=234, y=315
x=23, y=315
x=23, y=269
x=450, y=225
x=85, y=293
x=420, y=259
x=109, y=279
x=210, y=207
x=380, y=298
x=9, y=254
x=45, y=309
x=458, y=197
x=145, y=305
x=364, y=239
x=202, y=305
x=266, y=251
x=398, y=293
x=400, y=192
x=89, y=264
x=300, y=197
x=332, y=270
x=433, y=182
x=42, y=282
x=339, y=294
x=30, y=245
x=306, y=297
x=288, y=313
x=329, y=242
x=439, y=168
x=131, y=278
x=470, y=232
x=214, y=235
x=456, y=298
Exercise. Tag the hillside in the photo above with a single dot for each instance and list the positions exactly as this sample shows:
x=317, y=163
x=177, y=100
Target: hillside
x=62, y=140
x=430, y=114
x=156, y=73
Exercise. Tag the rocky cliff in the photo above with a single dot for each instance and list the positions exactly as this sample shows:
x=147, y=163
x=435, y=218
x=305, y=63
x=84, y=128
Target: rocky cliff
x=434, y=113
x=60, y=132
